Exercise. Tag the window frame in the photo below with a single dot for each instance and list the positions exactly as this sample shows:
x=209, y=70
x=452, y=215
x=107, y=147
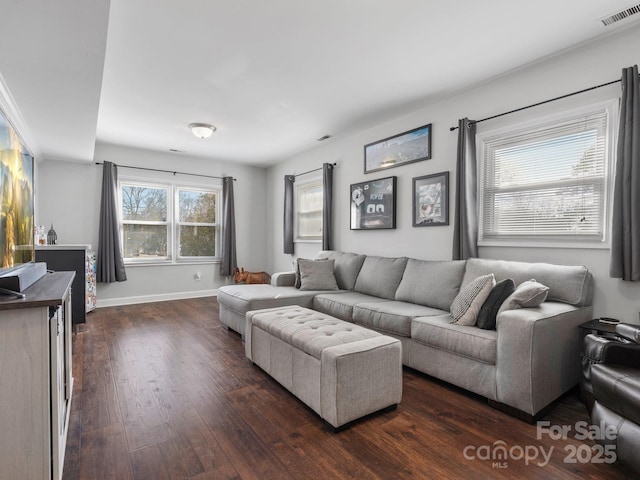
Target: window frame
x=172, y=220
x=299, y=188
x=178, y=223
x=540, y=123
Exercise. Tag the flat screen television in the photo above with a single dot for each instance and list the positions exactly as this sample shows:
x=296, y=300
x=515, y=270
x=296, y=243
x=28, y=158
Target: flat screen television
x=16, y=199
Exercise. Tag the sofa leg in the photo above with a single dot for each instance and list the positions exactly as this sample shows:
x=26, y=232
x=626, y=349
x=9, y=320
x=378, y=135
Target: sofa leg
x=349, y=424
x=519, y=414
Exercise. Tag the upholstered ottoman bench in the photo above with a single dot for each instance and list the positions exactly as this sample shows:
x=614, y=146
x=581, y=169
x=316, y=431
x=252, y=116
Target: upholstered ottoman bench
x=341, y=370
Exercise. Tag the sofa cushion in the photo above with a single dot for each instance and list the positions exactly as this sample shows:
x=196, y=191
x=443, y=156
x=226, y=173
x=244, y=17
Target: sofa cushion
x=466, y=341
x=340, y=305
x=380, y=276
x=489, y=310
x=529, y=294
x=243, y=298
x=567, y=284
x=347, y=266
x=391, y=317
x=434, y=284
x=317, y=275
x=467, y=304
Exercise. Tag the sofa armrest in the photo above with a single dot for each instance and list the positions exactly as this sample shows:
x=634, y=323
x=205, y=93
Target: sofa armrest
x=283, y=279
x=538, y=354
x=617, y=353
x=629, y=332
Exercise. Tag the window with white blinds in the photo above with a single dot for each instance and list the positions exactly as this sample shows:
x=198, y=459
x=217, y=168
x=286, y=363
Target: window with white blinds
x=308, y=207
x=547, y=182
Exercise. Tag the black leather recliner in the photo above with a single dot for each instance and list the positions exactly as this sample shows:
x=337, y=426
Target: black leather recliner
x=612, y=373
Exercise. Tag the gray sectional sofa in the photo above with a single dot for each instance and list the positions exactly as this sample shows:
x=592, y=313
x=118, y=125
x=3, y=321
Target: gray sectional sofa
x=528, y=361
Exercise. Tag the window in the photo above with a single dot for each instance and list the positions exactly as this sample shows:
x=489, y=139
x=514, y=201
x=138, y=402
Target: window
x=308, y=207
x=547, y=183
x=145, y=229
x=168, y=223
x=196, y=223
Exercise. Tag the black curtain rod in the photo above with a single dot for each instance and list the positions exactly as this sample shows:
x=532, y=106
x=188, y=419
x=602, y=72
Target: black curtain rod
x=167, y=171
x=311, y=171
x=451, y=129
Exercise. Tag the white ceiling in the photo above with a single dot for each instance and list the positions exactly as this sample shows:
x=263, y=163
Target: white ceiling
x=273, y=76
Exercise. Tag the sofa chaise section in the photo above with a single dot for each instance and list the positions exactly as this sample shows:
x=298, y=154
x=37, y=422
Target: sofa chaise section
x=236, y=300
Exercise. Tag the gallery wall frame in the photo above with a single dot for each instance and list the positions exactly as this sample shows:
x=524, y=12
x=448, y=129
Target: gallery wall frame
x=431, y=200
x=406, y=147
x=373, y=204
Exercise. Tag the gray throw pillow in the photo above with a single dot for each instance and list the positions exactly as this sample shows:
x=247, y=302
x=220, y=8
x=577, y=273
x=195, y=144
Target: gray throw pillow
x=528, y=294
x=317, y=275
x=466, y=305
x=298, y=283
x=489, y=310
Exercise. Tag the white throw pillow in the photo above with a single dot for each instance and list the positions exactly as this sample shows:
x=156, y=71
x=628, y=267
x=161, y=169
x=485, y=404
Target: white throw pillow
x=467, y=304
x=528, y=294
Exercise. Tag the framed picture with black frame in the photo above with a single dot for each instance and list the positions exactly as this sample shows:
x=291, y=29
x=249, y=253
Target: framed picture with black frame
x=431, y=200
x=406, y=147
x=373, y=204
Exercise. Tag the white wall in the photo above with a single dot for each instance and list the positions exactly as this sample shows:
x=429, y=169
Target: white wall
x=68, y=195
x=589, y=65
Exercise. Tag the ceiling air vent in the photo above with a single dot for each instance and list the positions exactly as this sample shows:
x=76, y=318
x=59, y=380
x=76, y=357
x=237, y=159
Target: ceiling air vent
x=621, y=15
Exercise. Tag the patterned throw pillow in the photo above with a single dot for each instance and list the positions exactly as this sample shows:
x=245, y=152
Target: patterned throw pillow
x=489, y=309
x=466, y=305
x=528, y=294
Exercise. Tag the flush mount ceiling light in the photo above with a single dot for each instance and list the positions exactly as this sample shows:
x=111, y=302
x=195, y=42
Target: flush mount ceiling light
x=202, y=130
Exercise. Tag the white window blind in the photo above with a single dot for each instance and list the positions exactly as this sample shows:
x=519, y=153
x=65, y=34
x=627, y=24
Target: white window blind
x=547, y=182
x=308, y=207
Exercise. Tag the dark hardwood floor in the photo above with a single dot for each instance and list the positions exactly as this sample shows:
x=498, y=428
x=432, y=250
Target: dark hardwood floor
x=162, y=391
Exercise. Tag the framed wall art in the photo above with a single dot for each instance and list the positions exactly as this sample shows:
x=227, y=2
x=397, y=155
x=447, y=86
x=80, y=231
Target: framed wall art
x=407, y=147
x=431, y=200
x=373, y=204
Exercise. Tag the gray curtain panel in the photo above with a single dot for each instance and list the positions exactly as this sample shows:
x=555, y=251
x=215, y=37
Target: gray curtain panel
x=327, y=205
x=228, y=258
x=110, y=264
x=625, y=223
x=289, y=180
x=465, y=227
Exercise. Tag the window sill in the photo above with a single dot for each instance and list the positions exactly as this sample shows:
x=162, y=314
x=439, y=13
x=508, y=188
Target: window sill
x=171, y=264
x=539, y=244
x=302, y=240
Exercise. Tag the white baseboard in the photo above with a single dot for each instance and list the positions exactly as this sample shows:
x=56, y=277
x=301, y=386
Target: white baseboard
x=163, y=297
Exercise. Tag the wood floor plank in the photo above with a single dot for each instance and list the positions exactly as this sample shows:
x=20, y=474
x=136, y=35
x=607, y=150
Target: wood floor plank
x=162, y=391
x=249, y=456
x=104, y=455
x=211, y=455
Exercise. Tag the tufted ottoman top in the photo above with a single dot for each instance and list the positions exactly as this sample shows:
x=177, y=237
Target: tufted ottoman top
x=308, y=330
